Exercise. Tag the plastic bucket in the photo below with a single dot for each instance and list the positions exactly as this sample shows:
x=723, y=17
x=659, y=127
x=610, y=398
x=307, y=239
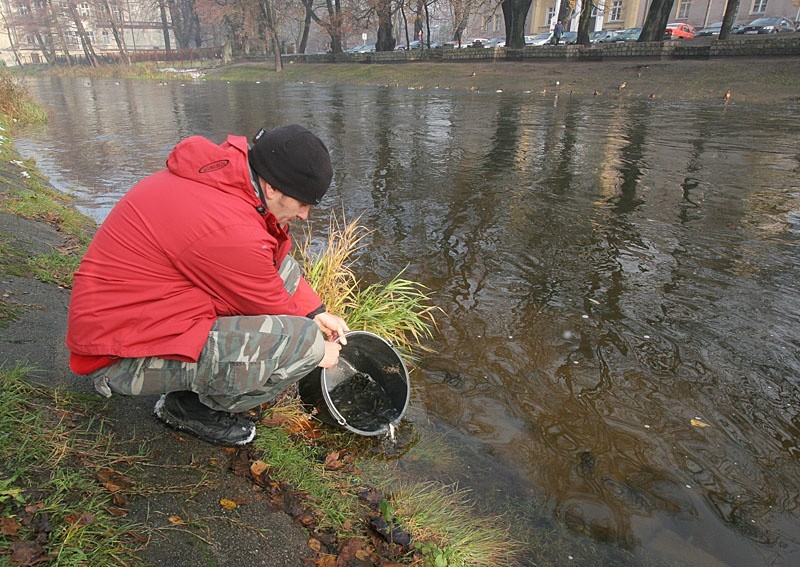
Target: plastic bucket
x=366, y=392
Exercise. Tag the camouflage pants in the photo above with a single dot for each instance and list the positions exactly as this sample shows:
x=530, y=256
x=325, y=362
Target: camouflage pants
x=245, y=362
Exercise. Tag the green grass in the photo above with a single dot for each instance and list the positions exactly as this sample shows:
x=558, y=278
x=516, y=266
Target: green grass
x=16, y=103
x=52, y=506
x=400, y=311
x=332, y=494
x=447, y=529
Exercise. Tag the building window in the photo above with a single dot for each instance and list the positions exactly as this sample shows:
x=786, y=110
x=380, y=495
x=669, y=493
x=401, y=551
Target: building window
x=616, y=11
x=84, y=9
x=683, y=9
x=551, y=14
x=759, y=6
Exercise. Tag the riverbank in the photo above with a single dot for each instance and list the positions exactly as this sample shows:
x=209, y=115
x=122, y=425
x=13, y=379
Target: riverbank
x=762, y=80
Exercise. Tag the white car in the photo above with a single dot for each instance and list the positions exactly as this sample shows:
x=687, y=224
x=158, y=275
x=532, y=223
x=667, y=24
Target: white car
x=539, y=39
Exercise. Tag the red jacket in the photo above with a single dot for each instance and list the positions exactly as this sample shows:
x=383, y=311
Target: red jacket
x=183, y=247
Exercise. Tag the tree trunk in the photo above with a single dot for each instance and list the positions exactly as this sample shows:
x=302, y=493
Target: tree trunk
x=11, y=41
x=584, y=22
x=385, y=41
x=162, y=9
x=334, y=25
x=727, y=21
x=43, y=48
x=86, y=43
x=309, y=6
x=272, y=32
x=460, y=19
x=514, y=14
x=54, y=24
x=656, y=21
x=118, y=38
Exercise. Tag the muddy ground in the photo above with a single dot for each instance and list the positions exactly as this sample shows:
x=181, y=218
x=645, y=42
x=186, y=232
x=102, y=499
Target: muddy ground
x=763, y=80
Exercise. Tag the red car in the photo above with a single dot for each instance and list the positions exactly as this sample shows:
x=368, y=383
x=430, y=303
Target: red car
x=679, y=31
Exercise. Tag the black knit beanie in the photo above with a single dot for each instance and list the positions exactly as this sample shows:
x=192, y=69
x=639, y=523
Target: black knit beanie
x=294, y=161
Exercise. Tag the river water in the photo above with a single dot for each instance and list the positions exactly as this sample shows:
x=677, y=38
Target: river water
x=616, y=358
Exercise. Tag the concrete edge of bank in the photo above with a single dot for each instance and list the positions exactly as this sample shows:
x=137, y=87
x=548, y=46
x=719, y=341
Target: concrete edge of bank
x=699, y=48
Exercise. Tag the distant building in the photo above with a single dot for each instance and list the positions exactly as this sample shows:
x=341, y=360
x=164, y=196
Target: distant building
x=621, y=14
x=34, y=30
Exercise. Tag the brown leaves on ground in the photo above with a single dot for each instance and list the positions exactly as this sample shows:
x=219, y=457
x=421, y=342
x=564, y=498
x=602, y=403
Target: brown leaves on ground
x=299, y=424
x=35, y=525
x=27, y=553
x=337, y=461
x=352, y=551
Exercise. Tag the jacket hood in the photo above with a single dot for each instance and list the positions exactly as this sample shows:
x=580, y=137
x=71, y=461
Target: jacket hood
x=222, y=167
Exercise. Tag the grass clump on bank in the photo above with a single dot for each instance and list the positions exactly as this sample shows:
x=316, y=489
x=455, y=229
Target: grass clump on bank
x=399, y=311
x=16, y=103
x=54, y=508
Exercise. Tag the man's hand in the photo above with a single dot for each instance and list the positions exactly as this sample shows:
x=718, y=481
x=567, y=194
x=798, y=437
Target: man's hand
x=332, y=326
x=331, y=355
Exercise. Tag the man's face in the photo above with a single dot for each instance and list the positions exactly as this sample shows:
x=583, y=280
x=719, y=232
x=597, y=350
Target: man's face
x=285, y=208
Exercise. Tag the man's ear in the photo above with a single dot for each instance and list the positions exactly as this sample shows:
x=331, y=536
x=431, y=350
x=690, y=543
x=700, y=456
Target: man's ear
x=269, y=191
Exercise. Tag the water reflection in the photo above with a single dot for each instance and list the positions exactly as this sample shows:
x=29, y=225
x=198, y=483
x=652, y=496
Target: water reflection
x=618, y=280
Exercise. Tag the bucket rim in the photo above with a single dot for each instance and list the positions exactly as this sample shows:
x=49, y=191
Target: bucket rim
x=332, y=407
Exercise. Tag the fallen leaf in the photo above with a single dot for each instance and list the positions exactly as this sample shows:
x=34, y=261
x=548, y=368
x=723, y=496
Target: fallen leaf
x=228, y=504
x=258, y=467
x=9, y=527
x=115, y=511
x=274, y=420
x=698, y=423
x=26, y=553
x=176, y=521
x=315, y=545
x=327, y=561
x=113, y=481
x=332, y=462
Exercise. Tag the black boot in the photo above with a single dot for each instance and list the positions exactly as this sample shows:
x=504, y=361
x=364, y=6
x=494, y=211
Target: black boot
x=184, y=411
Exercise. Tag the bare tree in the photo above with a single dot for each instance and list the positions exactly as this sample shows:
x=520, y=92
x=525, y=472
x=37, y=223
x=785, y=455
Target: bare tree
x=185, y=23
x=271, y=25
x=730, y=15
x=514, y=14
x=385, y=36
x=656, y=21
x=583, y=22
x=119, y=38
x=83, y=36
x=461, y=11
x=11, y=39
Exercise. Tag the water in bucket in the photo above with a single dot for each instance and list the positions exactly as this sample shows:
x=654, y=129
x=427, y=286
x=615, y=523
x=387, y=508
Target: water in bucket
x=368, y=390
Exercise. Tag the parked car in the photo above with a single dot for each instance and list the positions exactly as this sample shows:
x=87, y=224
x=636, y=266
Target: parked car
x=416, y=44
x=569, y=37
x=679, y=30
x=370, y=47
x=474, y=42
x=768, y=25
x=494, y=42
x=538, y=39
x=629, y=34
x=715, y=28
x=602, y=36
